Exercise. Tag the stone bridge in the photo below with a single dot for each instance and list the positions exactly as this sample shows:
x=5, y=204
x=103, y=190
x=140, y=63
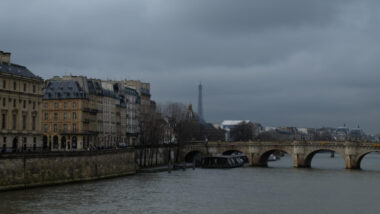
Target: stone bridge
x=301, y=152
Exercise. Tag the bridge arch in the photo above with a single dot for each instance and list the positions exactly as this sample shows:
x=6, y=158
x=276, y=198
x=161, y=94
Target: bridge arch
x=310, y=155
x=194, y=156
x=264, y=156
x=361, y=157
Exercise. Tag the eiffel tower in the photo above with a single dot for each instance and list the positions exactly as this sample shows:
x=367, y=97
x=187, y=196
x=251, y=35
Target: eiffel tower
x=200, y=103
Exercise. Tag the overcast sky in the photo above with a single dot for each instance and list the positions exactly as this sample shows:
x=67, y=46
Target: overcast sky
x=304, y=63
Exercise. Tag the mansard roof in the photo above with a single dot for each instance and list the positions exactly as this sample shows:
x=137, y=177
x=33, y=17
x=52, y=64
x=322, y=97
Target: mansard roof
x=17, y=70
x=130, y=91
x=63, y=89
x=109, y=93
x=145, y=91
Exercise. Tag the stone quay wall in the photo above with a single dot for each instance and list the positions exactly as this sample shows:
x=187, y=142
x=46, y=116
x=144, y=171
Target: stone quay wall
x=18, y=171
x=152, y=156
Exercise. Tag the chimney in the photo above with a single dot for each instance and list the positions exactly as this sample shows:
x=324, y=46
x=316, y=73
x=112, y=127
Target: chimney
x=5, y=57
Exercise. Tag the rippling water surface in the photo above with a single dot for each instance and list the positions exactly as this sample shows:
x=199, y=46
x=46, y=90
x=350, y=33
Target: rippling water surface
x=327, y=188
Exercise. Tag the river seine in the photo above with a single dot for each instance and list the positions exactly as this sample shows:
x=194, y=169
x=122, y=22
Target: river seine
x=326, y=188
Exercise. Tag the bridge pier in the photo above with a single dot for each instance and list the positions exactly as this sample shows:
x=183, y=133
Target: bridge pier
x=352, y=162
x=299, y=161
x=257, y=161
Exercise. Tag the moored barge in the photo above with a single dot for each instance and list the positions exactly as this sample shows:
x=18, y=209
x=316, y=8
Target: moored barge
x=223, y=161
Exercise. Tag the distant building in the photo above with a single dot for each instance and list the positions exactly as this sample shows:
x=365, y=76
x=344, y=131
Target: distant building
x=216, y=125
x=20, y=107
x=377, y=138
x=269, y=128
x=357, y=134
x=324, y=133
x=227, y=125
x=190, y=114
x=341, y=133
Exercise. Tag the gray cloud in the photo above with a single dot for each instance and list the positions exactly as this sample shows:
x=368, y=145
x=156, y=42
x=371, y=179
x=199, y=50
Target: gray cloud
x=298, y=62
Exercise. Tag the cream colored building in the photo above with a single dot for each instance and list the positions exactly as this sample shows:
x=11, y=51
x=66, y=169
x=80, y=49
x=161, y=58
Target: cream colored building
x=129, y=107
x=20, y=107
x=132, y=100
x=142, y=88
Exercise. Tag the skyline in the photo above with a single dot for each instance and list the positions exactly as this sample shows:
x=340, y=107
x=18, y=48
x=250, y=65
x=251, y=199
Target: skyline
x=299, y=63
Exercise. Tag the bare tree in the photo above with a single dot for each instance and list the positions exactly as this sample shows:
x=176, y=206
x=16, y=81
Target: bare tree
x=152, y=132
x=175, y=114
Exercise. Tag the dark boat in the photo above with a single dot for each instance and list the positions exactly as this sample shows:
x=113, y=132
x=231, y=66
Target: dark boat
x=223, y=161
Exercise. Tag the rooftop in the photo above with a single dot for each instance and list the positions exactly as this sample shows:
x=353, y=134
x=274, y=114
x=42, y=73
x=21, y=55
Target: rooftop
x=64, y=89
x=233, y=122
x=17, y=70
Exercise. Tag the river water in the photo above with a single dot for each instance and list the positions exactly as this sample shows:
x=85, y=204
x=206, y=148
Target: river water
x=326, y=188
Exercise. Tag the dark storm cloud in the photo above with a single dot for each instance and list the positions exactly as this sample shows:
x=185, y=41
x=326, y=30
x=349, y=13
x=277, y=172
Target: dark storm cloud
x=297, y=62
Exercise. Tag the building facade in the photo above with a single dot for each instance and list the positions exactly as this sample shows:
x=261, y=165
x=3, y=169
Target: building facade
x=132, y=100
x=69, y=121
x=20, y=107
x=111, y=119
x=143, y=90
x=108, y=109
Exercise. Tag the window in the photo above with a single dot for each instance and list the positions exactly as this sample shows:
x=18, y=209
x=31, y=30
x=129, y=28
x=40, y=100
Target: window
x=46, y=105
x=64, y=127
x=64, y=105
x=24, y=104
x=14, y=85
x=55, y=105
x=14, y=103
x=74, y=127
x=74, y=115
x=34, y=89
x=34, y=143
x=4, y=102
x=64, y=115
x=3, y=121
x=46, y=116
x=46, y=127
x=23, y=122
x=34, y=123
x=24, y=142
x=55, y=128
x=24, y=86
x=34, y=105
x=55, y=116
x=14, y=121
x=74, y=105
x=4, y=84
